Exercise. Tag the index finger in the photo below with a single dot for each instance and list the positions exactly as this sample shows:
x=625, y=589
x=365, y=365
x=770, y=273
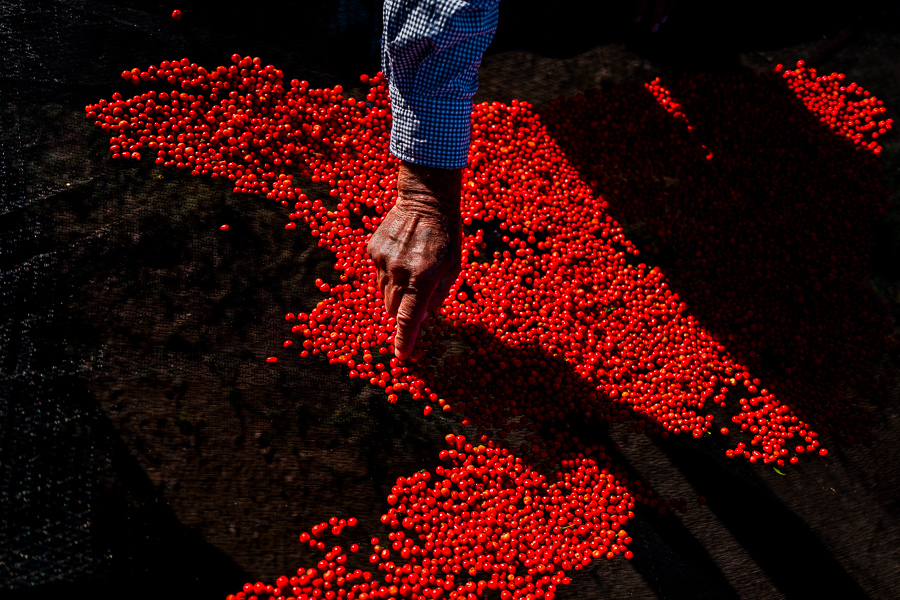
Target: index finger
x=413, y=310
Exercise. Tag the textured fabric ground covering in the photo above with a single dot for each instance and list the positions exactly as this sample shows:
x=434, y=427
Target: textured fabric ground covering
x=562, y=328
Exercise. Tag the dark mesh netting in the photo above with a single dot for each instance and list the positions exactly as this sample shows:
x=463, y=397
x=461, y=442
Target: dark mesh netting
x=148, y=448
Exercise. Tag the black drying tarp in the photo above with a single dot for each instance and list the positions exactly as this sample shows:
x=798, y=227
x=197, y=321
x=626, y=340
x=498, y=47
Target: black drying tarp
x=145, y=446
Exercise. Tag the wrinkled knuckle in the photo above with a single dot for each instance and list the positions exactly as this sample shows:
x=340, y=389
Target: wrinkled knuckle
x=424, y=280
x=405, y=320
x=404, y=325
x=397, y=269
x=375, y=253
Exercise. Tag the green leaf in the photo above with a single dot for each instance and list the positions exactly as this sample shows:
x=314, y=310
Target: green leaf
x=777, y=471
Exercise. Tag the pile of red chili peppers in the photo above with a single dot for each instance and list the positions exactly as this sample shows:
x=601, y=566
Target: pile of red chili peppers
x=555, y=322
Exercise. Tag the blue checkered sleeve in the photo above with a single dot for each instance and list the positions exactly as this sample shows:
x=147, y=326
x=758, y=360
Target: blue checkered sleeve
x=431, y=51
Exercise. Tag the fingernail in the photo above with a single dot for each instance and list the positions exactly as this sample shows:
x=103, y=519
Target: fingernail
x=664, y=19
x=655, y=28
x=637, y=19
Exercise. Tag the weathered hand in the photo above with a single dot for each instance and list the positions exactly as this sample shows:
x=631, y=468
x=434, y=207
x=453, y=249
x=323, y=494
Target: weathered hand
x=417, y=248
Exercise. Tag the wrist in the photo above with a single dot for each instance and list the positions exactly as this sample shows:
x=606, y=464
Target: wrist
x=429, y=188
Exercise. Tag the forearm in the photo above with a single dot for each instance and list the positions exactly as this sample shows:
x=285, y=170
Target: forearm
x=431, y=51
x=437, y=187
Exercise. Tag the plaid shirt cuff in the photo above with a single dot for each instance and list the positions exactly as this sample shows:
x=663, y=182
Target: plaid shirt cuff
x=431, y=51
x=431, y=131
